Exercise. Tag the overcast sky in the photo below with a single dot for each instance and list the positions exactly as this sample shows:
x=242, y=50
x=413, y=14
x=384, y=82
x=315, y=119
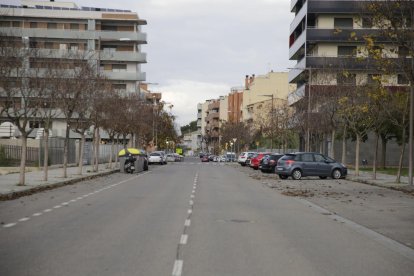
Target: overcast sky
x=199, y=49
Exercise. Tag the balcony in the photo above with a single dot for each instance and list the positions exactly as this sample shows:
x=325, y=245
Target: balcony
x=211, y=116
x=343, y=35
x=296, y=95
x=214, y=105
x=338, y=6
x=348, y=63
x=298, y=46
x=124, y=56
x=76, y=34
x=126, y=75
x=299, y=17
x=297, y=70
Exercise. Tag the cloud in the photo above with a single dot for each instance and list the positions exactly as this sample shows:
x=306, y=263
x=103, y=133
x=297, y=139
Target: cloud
x=185, y=94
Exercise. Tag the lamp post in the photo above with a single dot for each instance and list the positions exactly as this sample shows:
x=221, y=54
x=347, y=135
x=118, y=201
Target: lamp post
x=271, y=123
x=234, y=150
x=307, y=144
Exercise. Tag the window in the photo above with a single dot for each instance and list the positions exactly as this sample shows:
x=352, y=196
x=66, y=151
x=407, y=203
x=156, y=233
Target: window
x=74, y=26
x=402, y=79
x=49, y=45
x=33, y=25
x=307, y=157
x=347, y=23
x=119, y=86
x=119, y=67
x=374, y=78
x=403, y=52
x=319, y=158
x=346, y=51
x=346, y=79
x=4, y=24
x=376, y=51
x=366, y=22
x=52, y=25
x=74, y=46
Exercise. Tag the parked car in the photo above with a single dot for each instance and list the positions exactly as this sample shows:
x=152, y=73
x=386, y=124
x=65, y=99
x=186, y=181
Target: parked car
x=302, y=164
x=269, y=162
x=222, y=158
x=243, y=157
x=156, y=157
x=205, y=159
x=249, y=157
x=230, y=156
x=255, y=161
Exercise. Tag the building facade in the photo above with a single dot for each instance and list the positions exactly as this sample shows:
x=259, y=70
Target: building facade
x=262, y=88
x=59, y=29
x=327, y=39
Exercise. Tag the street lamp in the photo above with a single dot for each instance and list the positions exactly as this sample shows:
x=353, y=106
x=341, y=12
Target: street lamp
x=271, y=123
x=234, y=150
x=307, y=145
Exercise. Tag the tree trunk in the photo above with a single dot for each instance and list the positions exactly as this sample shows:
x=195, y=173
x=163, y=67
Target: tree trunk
x=332, y=149
x=81, y=150
x=111, y=152
x=344, y=145
x=357, y=146
x=22, y=178
x=374, y=162
x=46, y=155
x=65, y=152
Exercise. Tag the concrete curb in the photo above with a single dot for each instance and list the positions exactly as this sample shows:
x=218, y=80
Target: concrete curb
x=30, y=191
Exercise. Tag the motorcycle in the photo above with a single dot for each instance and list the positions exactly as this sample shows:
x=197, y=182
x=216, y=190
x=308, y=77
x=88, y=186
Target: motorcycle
x=129, y=165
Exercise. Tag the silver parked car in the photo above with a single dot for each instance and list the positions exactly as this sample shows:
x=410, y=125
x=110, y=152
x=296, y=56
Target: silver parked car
x=302, y=164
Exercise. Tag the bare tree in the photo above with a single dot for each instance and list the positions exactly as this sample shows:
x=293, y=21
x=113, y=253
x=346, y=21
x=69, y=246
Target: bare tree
x=23, y=82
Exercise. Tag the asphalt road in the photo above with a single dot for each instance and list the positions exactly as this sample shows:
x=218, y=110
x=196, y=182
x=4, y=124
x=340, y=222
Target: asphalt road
x=186, y=219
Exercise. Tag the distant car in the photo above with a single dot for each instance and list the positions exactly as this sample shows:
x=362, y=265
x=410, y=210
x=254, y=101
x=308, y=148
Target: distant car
x=170, y=157
x=156, y=157
x=163, y=156
x=302, y=164
x=205, y=159
x=222, y=158
x=178, y=158
x=269, y=162
x=243, y=157
x=255, y=161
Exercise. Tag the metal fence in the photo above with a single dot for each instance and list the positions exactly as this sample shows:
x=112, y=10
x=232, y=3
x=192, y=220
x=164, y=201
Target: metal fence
x=12, y=152
x=35, y=156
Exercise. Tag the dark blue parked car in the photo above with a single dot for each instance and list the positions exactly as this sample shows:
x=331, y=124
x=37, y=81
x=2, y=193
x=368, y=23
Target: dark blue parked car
x=302, y=164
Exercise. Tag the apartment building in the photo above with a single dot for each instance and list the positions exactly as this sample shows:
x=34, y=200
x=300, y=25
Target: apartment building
x=212, y=128
x=326, y=39
x=235, y=105
x=57, y=29
x=261, y=89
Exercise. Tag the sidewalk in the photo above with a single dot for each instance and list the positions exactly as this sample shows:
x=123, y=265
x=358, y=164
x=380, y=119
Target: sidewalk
x=382, y=180
x=35, y=183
